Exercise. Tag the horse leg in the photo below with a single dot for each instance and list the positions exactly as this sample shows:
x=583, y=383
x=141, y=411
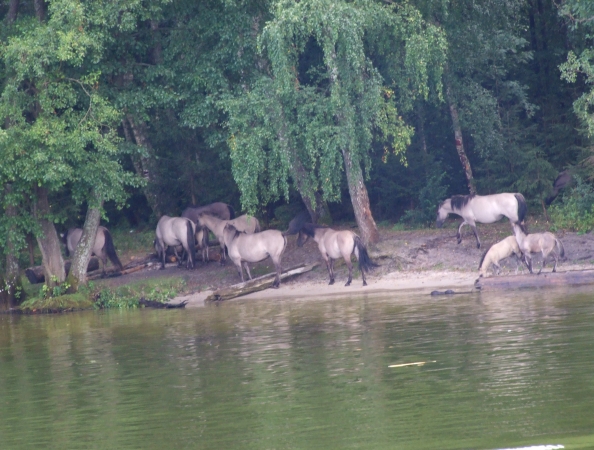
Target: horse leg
x=247, y=269
x=104, y=263
x=240, y=270
x=497, y=270
x=279, y=270
x=478, y=241
x=328, y=266
x=350, y=266
x=459, y=235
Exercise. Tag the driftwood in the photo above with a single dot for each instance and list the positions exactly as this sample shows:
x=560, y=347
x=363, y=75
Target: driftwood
x=545, y=279
x=35, y=274
x=153, y=304
x=255, y=285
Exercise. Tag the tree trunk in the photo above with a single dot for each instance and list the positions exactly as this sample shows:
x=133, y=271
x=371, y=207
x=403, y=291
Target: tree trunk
x=360, y=200
x=142, y=164
x=80, y=260
x=357, y=189
x=49, y=244
x=12, y=281
x=13, y=10
x=39, y=9
x=459, y=142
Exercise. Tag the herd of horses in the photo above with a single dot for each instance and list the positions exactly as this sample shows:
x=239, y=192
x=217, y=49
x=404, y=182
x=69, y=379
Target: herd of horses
x=242, y=239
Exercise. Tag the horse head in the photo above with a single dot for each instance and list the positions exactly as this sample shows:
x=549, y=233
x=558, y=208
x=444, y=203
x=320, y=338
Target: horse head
x=443, y=210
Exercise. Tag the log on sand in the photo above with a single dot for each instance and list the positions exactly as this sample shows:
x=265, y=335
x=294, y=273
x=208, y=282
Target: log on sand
x=545, y=279
x=255, y=285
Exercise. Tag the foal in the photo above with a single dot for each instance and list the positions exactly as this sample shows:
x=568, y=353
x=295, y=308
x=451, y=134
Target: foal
x=545, y=243
x=501, y=250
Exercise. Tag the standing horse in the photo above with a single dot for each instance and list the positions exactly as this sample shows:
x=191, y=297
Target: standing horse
x=219, y=210
x=102, y=249
x=334, y=244
x=545, y=243
x=483, y=209
x=173, y=232
x=245, y=223
x=244, y=248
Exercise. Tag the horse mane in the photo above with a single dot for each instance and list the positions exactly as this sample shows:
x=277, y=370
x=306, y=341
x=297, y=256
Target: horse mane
x=460, y=201
x=310, y=228
x=483, y=257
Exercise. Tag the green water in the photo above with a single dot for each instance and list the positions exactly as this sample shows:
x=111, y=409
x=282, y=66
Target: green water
x=501, y=371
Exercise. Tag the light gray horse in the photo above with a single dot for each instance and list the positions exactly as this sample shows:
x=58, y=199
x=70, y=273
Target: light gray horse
x=244, y=248
x=483, y=209
x=545, y=243
x=102, y=249
x=334, y=244
x=173, y=232
x=246, y=224
x=497, y=252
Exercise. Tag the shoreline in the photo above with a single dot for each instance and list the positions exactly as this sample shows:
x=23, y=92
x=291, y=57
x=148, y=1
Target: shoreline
x=421, y=282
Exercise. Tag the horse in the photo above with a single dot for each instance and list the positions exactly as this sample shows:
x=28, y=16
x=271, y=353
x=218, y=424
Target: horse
x=297, y=223
x=563, y=179
x=334, y=244
x=545, y=243
x=173, y=232
x=244, y=248
x=501, y=250
x=244, y=223
x=219, y=210
x=102, y=249
x=483, y=209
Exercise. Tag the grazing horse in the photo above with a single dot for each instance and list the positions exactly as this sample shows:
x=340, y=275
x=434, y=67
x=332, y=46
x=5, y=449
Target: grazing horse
x=482, y=209
x=245, y=223
x=545, y=243
x=102, y=249
x=244, y=248
x=334, y=244
x=219, y=210
x=501, y=250
x=173, y=232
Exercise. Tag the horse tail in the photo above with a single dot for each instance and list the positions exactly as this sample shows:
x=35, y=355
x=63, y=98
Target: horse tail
x=522, y=207
x=191, y=241
x=231, y=212
x=110, y=250
x=365, y=262
x=65, y=241
x=483, y=258
x=561, y=248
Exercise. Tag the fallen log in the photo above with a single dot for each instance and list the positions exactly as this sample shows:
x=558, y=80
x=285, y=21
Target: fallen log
x=35, y=274
x=154, y=304
x=255, y=285
x=545, y=279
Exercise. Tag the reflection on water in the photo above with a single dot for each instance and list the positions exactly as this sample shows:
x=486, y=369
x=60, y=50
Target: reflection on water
x=501, y=371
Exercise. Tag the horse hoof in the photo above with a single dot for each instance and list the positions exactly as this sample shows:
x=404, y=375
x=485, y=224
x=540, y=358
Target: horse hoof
x=478, y=245
x=331, y=282
x=365, y=283
x=348, y=283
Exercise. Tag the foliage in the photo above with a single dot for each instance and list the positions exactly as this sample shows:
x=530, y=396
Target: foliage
x=430, y=195
x=576, y=210
x=128, y=296
x=58, y=303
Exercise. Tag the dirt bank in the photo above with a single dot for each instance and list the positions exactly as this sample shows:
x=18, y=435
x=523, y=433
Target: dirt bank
x=415, y=259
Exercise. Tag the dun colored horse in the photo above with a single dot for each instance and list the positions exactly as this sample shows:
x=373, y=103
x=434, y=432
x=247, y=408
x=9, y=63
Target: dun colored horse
x=545, y=243
x=482, y=209
x=334, y=244
x=175, y=232
x=102, y=249
x=245, y=223
x=244, y=248
x=501, y=250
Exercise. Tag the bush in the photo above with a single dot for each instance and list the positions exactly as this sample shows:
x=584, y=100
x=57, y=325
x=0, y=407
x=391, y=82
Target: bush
x=576, y=210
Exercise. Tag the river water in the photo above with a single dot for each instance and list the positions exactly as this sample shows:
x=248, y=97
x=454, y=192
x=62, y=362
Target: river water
x=501, y=371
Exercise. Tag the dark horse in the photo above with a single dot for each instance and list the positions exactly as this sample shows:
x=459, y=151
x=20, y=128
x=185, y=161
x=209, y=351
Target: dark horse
x=334, y=244
x=483, y=209
x=102, y=249
x=175, y=232
x=219, y=210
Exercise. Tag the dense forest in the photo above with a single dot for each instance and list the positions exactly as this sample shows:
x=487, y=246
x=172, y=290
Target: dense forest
x=366, y=110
